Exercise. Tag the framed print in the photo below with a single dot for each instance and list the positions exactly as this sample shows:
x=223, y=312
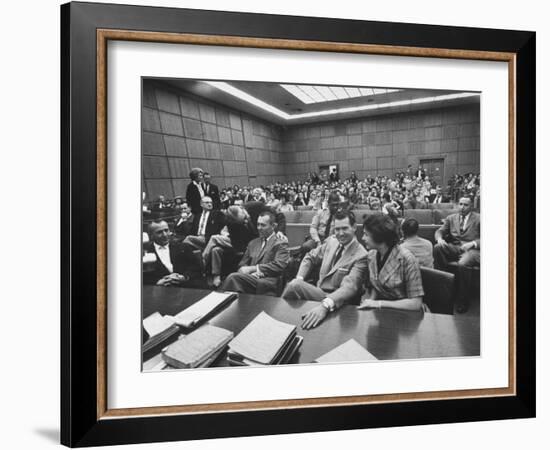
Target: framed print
x=274, y=224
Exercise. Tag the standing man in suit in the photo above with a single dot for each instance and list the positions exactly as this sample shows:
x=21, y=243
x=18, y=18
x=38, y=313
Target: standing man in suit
x=162, y=262
x=207, y=222
x=211, y=190
x=195, y=191
x=343, y=262
x=458, y=239
x=263, y=262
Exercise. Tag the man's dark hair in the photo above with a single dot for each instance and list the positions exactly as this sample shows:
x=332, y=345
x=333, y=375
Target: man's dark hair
x=409, y=227
x=270, y=214
x=205, y=173
x=341, y=214
x=154, y=223
x=469, y=197
x=382, y=229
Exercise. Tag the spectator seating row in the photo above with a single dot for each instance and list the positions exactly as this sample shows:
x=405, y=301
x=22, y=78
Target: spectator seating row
x=298, y=223
x=366, y=207
x=423, y=216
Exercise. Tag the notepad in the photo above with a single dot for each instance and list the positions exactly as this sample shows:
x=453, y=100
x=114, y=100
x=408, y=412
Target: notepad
x=262, y=340
x=197, y=349
x=204, y=308
x=349, y=351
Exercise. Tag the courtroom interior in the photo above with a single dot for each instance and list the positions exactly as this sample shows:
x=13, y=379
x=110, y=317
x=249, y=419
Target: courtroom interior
x=341, y=211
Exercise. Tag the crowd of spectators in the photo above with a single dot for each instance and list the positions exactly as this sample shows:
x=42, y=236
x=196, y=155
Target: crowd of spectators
x=248, y=223
x=410, y=189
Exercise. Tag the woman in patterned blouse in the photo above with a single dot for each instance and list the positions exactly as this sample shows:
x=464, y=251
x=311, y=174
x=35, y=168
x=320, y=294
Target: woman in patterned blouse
x=393, y=278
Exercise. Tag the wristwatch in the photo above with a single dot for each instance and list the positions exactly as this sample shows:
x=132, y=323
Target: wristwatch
x=329, y=306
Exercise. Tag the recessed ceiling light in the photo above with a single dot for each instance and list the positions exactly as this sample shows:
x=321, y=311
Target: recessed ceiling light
x=229, y=89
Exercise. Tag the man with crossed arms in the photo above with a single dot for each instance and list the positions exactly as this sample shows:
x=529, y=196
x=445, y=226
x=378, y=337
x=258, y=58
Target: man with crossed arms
x=343, y=262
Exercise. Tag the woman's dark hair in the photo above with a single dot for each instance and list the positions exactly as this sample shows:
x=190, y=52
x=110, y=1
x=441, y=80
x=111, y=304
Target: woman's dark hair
x=382, y=229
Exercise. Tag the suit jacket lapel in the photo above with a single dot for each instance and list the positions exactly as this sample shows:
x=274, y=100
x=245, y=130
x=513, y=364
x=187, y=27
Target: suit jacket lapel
x=470, y=222
x=268, y=246
x=343, y=259
x=158, y=257
x=255, y=247
x=325, y=265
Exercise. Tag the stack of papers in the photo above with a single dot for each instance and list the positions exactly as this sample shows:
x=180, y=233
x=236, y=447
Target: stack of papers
x=349, y=351
x=199, y=348
x=204, y=308
x=264, y=341
x=160, y=329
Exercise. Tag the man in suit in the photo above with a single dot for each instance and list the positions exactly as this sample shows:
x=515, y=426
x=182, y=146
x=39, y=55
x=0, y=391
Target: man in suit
x=162, y=262
x=206, y=223
x=458, y=239
x=263, y=262
x=438, y=196
x=195, y=192
x=343, y=262
x=160, y=204
x=211, y=190
x=184, y=224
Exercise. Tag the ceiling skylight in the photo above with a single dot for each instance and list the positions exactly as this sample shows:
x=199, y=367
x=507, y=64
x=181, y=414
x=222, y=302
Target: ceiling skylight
x=232, y=90
x=309, y=94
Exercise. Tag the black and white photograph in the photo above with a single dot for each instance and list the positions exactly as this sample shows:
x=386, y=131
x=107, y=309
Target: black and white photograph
x=289, y=223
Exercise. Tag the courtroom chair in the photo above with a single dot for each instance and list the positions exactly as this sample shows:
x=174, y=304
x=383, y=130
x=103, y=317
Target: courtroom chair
x=306, y=216
x=291, y=216
x=441, y=206
x=428, y=231
x=474, y=279
x=440, y=214
x=423, y=216
x=297, y=233
x=438, y=290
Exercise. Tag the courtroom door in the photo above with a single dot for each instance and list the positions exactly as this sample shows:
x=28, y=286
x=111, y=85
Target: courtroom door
x=435, y=169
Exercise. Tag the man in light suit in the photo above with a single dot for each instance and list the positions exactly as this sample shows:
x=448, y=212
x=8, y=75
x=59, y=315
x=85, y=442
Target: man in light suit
x=263, y=262
x=458, y=239
x=343, y=262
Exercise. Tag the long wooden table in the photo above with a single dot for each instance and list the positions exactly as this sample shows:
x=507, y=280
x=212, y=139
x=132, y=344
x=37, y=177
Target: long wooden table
x=387, y=334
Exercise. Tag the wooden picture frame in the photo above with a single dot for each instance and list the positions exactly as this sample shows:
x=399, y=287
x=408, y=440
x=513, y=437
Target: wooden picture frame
x=85, y=417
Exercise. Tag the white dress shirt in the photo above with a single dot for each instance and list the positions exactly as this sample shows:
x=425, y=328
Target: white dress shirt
x=202, y=223
x=163, y=252
x=199, y=187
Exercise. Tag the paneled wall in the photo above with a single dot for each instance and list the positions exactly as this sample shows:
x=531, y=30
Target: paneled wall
x=383, y=145
x=180, y=132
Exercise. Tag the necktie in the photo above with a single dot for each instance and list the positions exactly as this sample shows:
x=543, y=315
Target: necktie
x=461, y=224
x=327, y=228
x=201, y=225
x=338, y=254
